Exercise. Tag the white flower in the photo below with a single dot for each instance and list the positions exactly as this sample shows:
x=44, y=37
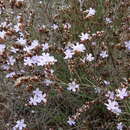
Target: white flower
x=119, y=126
x=84, y=36
x=78, y=47
x=17, y=28
x=108, y=20
x=68, y=54
x=54, y=26
x=11, y=60
x=127, y=44
x=93, y=43
x=48, y=82
x=45, y=46
x=21, y=41
x=113, y=107
x=90, y=12
x=34, y=44
x=89, y=57
x=103, y=54
x=10, y=75
x=2, y=34
x=71, y=122
x=73, y=86
x=28, y=61
x=33, y=101
x=14, y=50
x=38, y=97
x=122, y=93
x=20, y=125
x=106, y=82
x=37, y=92
x=46, y=59
x=110, y=95
x=67, y=26
x=2, y=48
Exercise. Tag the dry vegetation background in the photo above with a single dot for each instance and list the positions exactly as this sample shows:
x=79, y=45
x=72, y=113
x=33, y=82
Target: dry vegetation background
x=60, y=23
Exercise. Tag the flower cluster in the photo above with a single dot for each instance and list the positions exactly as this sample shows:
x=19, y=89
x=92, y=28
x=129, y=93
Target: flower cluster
x=38, y=97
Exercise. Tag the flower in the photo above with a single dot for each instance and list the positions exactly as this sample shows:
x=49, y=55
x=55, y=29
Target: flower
x=11, y=60
x=108, y=20
x=122, y=93
x=14, y=50
x=10, y=75
x=37, y=92
x=20, y=125
x=110, y=95
x=45, y=46
x=33, y=101
x=127, y=44
x=71, y=121
x=38, y=97
x=73, y=86
x=48, y=82
x=68, y=54
x=113, y=107
x=54, y=26
x=28, y=61
x=84, y=36
x=89, y=57
x=2, y=48
x=2, y=34
x=67, y=26
x=90, y=12
x=106, y=82
x=103, y=54
x=78, y=47
x=119, y=126
x=21, y=41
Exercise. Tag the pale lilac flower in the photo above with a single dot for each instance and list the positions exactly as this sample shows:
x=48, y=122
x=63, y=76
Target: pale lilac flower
x=33, y=101
x=108, y=20
x=28, y=61
x=2, y=48
x=110, y=95
x=113, y=107
x=127, y=44
x=67, y=26
x=103, y=54
x=48, y=82
x=71, y=122
x=45, y=46
x=37, y=92
x=78, y=47
x=119, y=126
x=73, y=86
x=90, y=12
x=68, y=54
x=84, y=36
x=93, y=43
x=21, y=41
x=10, y=75
x=89, y=57
x=122, y=93
x=2, y=34
x=55, y=26
x=38, y=97
x=20, y=125
x=14, y=50
x=11, y=60
x=106, y=82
